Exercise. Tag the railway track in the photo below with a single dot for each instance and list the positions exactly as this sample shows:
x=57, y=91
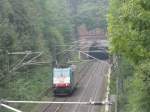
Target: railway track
x=86, y=95
x=92, y=86
x=95, y=92
x=88, y=85
x=55, y=107
x=91, y=83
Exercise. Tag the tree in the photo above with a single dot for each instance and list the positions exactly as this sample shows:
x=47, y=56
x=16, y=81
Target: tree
x=129, y=30
x=30, y=25
x=92, y=13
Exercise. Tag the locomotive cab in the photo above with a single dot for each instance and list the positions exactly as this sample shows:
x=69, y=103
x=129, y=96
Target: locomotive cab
x=63, y=81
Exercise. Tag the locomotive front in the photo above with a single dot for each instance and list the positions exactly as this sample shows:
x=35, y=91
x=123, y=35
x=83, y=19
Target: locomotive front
x=62, y=81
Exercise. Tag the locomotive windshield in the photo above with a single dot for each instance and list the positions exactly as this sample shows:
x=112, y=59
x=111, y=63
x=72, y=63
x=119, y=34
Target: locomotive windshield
x=62, y=72
x=61, y=75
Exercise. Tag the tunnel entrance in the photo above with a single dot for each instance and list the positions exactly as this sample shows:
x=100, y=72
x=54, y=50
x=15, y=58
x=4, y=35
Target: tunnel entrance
x=98, y=52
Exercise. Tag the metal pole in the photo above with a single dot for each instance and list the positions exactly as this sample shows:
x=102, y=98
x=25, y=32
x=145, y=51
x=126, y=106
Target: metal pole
x=116, y=102
x=52, y=102
x=108, y=90
x=79, y=55
x=117, y=84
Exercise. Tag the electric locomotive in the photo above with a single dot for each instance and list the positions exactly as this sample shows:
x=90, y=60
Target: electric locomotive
x=63, y=81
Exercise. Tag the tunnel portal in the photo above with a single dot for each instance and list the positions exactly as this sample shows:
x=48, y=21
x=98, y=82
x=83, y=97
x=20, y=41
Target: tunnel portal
x=98, y=52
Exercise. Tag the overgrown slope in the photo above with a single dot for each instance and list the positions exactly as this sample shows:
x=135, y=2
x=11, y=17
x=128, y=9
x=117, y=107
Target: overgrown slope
x=129, y=33
x=27, y=25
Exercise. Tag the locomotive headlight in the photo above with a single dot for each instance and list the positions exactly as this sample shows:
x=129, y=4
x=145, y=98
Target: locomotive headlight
x=67, y=85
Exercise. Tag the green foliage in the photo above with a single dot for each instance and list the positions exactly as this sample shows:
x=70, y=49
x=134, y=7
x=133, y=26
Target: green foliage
x=92, y=13
x=140, y=86
x=120, y=79
x=34, y=25
x=129, y=31
x=31, y=84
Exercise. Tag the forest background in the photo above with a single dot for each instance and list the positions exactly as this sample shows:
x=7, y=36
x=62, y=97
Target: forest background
x=38, y=26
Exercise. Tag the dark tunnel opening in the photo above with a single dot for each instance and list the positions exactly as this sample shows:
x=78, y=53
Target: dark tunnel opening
x=98, y=52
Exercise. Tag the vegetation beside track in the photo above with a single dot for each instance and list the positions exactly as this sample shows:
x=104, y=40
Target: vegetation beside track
x=129, y=32
x=30, y=26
